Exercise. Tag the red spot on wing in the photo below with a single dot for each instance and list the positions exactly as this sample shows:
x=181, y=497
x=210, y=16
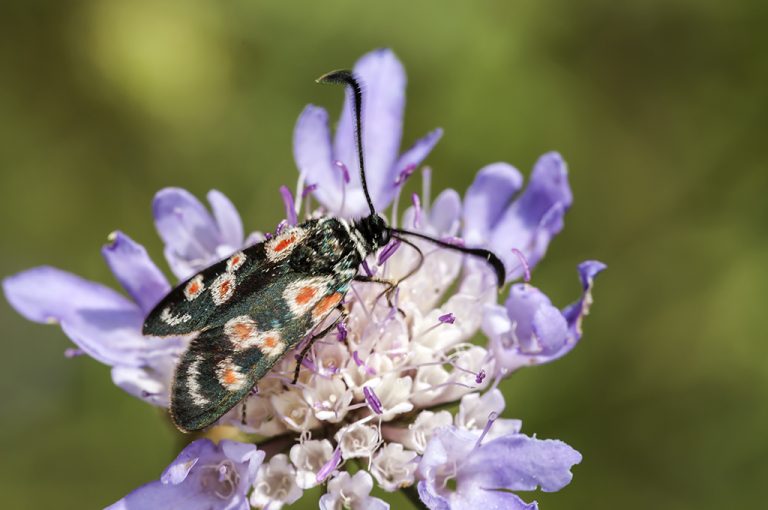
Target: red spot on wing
x=285, y=243
x=224, y=287
x=193, y=288
x=326, y=304
x=305, y=294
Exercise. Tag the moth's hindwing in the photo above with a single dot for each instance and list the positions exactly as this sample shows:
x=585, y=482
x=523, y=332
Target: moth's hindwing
x=222, y=291
x=223, y=362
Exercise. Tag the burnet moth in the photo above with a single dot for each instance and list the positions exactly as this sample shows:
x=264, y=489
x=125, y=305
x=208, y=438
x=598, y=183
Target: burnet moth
x=248, y=310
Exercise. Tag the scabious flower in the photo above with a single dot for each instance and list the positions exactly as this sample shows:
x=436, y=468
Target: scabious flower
x=367, y=393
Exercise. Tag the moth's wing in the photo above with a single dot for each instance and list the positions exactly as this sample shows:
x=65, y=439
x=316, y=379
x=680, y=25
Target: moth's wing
x=223, y=290
x=223, y=362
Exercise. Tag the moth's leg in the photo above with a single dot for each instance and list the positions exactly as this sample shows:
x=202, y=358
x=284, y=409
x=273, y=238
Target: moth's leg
x=421, y=259
x=251, y=393
x=390, y=284
x=300, y=357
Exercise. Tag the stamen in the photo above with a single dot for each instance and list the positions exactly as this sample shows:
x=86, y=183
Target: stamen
x=404, y=174
x=306, y=362
x=329, y=466
x=147, y=394
x=280, y=227
x=448, y=318
x=307, y=190
x=416, y=210
x=344, y=170
x=389, y=250
x=480, y=377
x=73, y=352
x=361, y=363
x=367, y=268
x=524, y=263
x=426, y=186
x=341, y=332
x=373, y=400
x=290, y=206
x=491, y=418
x=267, y=236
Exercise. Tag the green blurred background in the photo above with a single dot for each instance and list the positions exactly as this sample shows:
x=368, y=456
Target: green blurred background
x=658, y=106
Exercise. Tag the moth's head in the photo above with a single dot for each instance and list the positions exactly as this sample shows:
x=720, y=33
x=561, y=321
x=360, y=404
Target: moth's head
x=375, y=231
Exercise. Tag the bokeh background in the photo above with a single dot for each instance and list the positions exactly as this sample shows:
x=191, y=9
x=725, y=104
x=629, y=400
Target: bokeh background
x=659, y=106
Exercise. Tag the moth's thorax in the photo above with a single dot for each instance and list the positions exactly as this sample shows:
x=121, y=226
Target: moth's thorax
x=373, y=232
x=330, y=246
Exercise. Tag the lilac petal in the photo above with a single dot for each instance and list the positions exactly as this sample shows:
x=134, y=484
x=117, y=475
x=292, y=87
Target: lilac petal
x=135, y=271
x=312, y=153
x=186, y=227
x=104, y=324
x=242, y=453
x=445, y=213
x=536, y=216
x=521, y=463
x=540, y=328
x=432, y=499
x=227, y=219
x=382, y=78
x=487, y=198
x=157, y=495
x=178, y=470
x=575, y=312
x=479, y=497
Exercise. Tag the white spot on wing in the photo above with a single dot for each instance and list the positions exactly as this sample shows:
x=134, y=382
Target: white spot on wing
x=173, y=320
x=222, y=288
x=230, y=375
x=194, y=288
x=193, y=372
x=282, y=246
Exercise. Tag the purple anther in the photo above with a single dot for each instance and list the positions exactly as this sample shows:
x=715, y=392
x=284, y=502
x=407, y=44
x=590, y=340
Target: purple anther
x=307, y=190
x=456, y=241
x=73, y=352
x=372, y=400
x=341, y=332
x=389, y=250
x=448, y=318
x=416, y=210
x=280, y=227
x=344, y=170
x=290, y=206
x=267, y=236
x=306, y=363
x=358, y=361
x=524, y=263
x=480, y=377
x=404, y=174
x=329, y=466
x=147, y=394
x=491, y=418
x=367, y=268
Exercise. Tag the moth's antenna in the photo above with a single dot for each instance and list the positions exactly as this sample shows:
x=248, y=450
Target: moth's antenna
x=489, y=256
x=346, y=77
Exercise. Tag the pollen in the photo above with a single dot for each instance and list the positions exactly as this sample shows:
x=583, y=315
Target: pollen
x=305, y=294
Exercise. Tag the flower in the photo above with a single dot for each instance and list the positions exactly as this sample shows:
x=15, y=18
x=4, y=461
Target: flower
x=204, y=476
x=482, y=473
x=333, y=167
x=368, y=391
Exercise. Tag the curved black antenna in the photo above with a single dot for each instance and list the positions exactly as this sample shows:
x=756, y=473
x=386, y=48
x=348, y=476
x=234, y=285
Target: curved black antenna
x=346, y=77
x=489, y=256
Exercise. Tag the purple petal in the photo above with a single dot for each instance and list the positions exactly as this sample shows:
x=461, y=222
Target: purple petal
x=536, y=216
x=521, y=463
x=242, y=453
x=312, y=153
x=180, y=467
x=540, y=328
x=227, y=219
x=487, y=198
x=135, y=271
x=382, y=78
x=479, y=497
x=187, y=228
x=104, y=324
x=432, y=499
x=445, y=213
x=575, y=312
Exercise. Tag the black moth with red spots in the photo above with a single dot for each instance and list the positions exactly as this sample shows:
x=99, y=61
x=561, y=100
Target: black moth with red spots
x=248, y=310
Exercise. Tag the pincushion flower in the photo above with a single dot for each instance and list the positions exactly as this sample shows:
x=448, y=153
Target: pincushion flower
x=368, y=391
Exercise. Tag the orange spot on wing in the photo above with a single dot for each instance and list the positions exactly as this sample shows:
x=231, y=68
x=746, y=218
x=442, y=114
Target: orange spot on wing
x=327, y=304
x=224, y=287
x=305, y=295
x=230, y=376
x=285, y=243
x=242, y=330
x=270, y=342
x=193, y=288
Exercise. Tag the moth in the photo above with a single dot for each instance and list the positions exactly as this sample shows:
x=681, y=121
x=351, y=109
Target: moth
x=249, y=310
